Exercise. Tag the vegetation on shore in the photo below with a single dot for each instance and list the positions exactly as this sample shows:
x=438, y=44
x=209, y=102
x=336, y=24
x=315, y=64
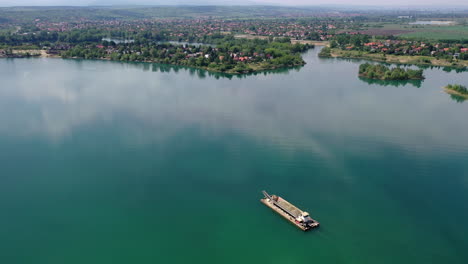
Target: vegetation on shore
x=381, y=72
x=391, y=49
x=325, y=52
x=457, y=89
x=397, y=59
x=230, y=55
x=226, y=54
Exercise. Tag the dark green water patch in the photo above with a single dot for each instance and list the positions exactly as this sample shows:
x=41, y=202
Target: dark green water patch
x=107, y=162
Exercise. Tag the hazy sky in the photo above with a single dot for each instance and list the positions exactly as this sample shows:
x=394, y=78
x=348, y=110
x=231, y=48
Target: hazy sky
x=236, y=2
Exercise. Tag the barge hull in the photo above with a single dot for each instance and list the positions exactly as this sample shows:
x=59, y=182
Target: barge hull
x=286, y=215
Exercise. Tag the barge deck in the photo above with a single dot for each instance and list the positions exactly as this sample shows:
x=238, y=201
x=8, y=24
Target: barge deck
x=299, y=218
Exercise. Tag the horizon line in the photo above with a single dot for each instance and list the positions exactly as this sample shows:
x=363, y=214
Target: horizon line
x=254, y=4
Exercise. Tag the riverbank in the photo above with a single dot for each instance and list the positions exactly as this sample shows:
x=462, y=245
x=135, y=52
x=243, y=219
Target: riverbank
x=415, y=60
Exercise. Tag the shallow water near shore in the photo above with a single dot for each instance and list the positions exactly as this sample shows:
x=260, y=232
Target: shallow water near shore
x=108, y=162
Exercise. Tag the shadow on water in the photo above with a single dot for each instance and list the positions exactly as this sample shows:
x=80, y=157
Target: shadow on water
x=430, y=67
x=450, y=69
x=444, y=68
x=396, y=83
x=420, y=66
x=457, y=98
x=168, y=68
x=201, y=73
x=217, y=75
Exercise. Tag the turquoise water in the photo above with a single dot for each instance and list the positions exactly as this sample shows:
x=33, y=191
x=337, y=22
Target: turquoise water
x=106, y=162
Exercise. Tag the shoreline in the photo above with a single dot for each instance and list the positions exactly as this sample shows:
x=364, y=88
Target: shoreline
x=256, y=68
x=452, y=92
x=408, y=60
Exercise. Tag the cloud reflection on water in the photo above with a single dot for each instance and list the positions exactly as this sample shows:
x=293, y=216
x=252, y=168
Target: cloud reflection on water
x=52, y=97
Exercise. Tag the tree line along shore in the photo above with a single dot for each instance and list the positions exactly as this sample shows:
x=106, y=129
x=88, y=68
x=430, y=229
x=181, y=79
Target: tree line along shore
x=224, y=53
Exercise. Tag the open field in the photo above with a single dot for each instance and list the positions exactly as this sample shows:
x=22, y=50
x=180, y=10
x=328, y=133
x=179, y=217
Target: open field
x=311, y=42
x=247, y=36
x=33, y=52
x=6, y=29
x=439, y=32
x=62, y=14
x=386, y=29
x=434, y=32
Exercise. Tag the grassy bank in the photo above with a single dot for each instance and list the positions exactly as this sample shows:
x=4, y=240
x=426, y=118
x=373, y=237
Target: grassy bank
x=405, y=30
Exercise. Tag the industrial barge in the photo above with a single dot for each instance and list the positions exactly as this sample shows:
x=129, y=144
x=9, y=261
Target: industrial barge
x=293, y=214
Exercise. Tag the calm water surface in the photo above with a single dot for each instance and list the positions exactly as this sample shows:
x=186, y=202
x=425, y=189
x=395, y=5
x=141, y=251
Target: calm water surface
x=106, y=162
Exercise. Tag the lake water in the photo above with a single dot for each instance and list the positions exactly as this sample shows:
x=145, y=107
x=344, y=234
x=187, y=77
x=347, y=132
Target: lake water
x=107, y=162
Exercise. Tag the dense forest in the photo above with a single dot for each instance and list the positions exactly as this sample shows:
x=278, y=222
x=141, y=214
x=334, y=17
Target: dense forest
x=378, y=71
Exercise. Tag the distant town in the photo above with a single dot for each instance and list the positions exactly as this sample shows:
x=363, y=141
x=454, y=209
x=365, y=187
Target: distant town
x=136, y=34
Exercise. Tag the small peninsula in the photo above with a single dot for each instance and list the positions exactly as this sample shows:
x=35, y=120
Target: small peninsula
x=381, y=72
x=457, y=89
